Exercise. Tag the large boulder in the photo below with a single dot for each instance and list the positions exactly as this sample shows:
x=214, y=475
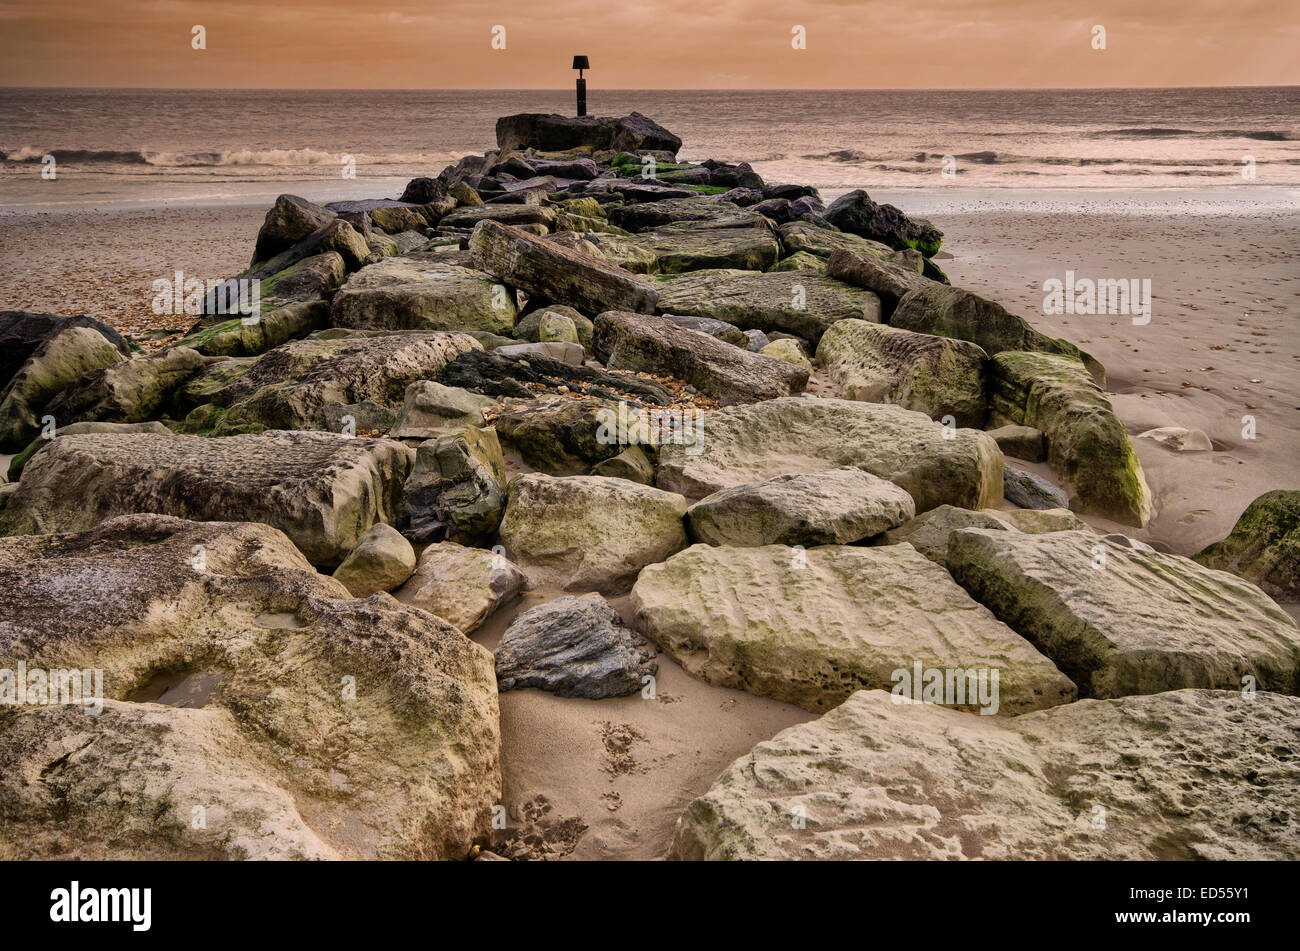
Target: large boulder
x=937, y=376
x=128, y=392
x=290, y=220
x=58, y=361
x=930, y=531
x=430, y=409
x=810, y=627
x=22, y=332
x=456, y=488
x=240, y=688
x=807, y=238
x=693, y=249
x=657, y=345
x=322, y=490
x=574, y=646
x=556, y=273
x=856, y=213
x=743, y=444
x=558, y=435
x=803, y=303
x=236, y=338
x=1264, y=546
x=519, y=216
x=1192, y=774
x=830, y=507
x=590, y=533
x=891, y=282
x=678, y=213
x=18, y=462
x=557, y=133
x=1121, y=620
x=413, y=294
x=952, y=312
x=619, y=250
x=1087, y=444
x=461, y=585
x=290, y=386
x=382, y=560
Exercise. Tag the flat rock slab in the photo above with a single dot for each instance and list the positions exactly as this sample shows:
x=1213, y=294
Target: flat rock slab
x=659, y=345
x=574, y=646
x=290, y=386
x=648, y=215
x=590, y=533
x=831, y=507
x=305, y=723
x=937, y=376
x=1192, y=774
x=322, y=490
x=557, y=273
x=1121, y=620
x=799, y=236
x=803, y=303
x=1087, y=444
x=810, y=627
x=692, y=249
x=744, y=444
x=408, y=294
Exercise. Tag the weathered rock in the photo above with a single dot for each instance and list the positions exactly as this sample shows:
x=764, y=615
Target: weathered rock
x=1177, y=776
x=588, y=532
x=788, y=351
x=529, y=326
x=558, y=435
x=366, y=418
x=237, y=338
x=692, y=249
x=290, y=220
x=128, y=392
x=536, y=371
x=22, y=332
x=953, y=312
x=830, y=507
x=518, y=216
x=381, y=560
x=1037, y=521
x=289, y=386
x=410, y=294
x=1087, y=445
x=797, y=302
x=677, y=213
x=461, y=585
x=891, y=282
x=929, y=532
x=557, y=273
x=312, y=278
x=574, y=646
x=323, y=491
x=614, y=249
x=856, y=213
x=756, y=340
x=800, y=261
x=421, y=191
x=222, y=679
x=1264, y=546
x=845, y=618
x=801, y=236
x=557, y=351
x=641, y=342
x=1022, y=442
x=937, y=376
x=456, y=488
x=430, y=409
x=743, y=444
x=54, y=364
x=714, y=328
x=1120, y=620
x=1031, y=491
x=17, y=463
x=631, y=464
x=555, y=133
x=1178, y=439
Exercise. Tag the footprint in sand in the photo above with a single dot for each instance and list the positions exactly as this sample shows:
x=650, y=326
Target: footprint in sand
x=1193, y=516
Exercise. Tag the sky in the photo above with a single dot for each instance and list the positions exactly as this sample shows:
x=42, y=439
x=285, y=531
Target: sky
x=649, y=44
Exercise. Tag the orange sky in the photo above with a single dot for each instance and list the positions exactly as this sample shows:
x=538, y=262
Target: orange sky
x=685, y=44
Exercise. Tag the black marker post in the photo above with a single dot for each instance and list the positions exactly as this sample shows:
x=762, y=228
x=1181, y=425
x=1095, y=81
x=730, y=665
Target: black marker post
x=580, y=63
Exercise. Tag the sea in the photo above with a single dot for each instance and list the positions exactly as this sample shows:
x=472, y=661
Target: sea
x=134, y=147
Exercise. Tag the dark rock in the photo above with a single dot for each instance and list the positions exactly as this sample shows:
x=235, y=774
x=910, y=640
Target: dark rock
x=493, y=374
x=557, y=435
x=890, y=282
x=421, y=191
x=456, y=489
x=289, y=221
x=858, y=214
x=1031, y=491
x=21, y=332
x=556, y=133
x=574, y=646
